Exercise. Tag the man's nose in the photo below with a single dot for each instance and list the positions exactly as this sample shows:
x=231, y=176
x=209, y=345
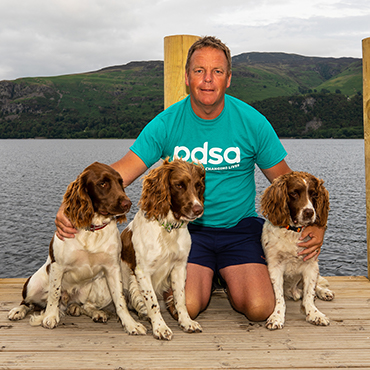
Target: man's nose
x=207, y=76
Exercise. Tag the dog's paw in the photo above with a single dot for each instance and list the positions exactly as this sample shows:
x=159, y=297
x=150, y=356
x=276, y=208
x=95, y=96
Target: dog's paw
x=274, y=322
x=74, y=310
x=50, y=322
x=162, y=332
x=47, y=321
x=18, y=313
x=135, y=328
x=99, y=316
x=295, y=294
x=325, y=294
x=190, y=326
x=317, y=318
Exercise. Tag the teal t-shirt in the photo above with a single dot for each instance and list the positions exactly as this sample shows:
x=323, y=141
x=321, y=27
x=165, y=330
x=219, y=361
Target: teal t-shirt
x=228, y=146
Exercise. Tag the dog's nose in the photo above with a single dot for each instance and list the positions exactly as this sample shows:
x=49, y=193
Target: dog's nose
x=308, y=213
x=126, y=205
x=197, y=209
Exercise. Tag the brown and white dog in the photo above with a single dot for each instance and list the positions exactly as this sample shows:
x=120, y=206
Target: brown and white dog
x=292, y=202
x=157, y=242
x=84, y=273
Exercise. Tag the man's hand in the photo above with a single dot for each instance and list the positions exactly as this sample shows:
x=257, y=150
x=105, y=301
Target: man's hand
x=313, y=245
x=64, y=227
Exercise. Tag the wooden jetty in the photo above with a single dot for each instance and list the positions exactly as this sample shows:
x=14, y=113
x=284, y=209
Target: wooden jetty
x=228, y=340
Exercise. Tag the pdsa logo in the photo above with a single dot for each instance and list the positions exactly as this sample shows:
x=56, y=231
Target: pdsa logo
x=207, y=155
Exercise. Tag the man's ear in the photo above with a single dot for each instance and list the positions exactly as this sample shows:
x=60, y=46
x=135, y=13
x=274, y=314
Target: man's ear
x=186, y=79
x=229, y=80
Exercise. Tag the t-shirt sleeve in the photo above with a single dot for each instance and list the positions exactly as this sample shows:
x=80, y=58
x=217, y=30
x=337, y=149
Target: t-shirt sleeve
x=270, y=150
x=149, y=145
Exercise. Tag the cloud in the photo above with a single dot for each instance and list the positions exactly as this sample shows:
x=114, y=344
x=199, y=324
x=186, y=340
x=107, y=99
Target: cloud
x=54, y=37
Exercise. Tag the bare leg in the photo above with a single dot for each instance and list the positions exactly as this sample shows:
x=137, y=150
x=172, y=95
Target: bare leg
x=250, y=290
x=198, y=288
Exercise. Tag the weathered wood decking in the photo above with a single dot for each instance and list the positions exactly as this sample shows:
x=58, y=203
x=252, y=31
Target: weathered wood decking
x=228, y=339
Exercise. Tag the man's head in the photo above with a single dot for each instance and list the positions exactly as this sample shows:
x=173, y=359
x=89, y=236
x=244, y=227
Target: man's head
x=209, y=41
x=208, y=75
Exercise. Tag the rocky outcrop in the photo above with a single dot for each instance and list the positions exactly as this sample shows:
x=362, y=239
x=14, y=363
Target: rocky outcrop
x=16, y=98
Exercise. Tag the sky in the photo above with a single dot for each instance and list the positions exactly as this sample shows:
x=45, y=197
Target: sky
x=58, y=37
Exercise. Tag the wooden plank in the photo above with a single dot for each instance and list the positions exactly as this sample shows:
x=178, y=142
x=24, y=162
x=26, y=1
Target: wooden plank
x=228, y=340
x=217, y=359
x=175, y=54
x=366, y=110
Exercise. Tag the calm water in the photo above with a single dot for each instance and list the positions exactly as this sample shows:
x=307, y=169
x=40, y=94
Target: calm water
x=36, y=173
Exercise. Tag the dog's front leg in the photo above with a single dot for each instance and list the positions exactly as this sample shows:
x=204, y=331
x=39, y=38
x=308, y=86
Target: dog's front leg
x=277, y=318
x=114, y=279
x=313, y=315
x=178, y=278
x=50, y=318
x=160, y=328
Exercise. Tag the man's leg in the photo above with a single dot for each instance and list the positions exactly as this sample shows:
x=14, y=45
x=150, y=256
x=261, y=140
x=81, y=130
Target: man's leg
x=250, y=290
x=198, y=288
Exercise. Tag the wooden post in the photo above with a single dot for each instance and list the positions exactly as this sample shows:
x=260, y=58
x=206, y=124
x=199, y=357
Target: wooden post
x=175, y=53
x=366, y=97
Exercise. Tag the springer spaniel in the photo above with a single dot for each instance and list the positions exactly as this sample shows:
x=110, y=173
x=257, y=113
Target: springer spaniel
x=292, y=202
x=83, y=274
x=156, y=244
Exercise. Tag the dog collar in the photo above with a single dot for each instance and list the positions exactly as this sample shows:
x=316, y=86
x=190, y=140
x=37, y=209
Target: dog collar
x=168, y=226
x=293, y=228
x=97, y=227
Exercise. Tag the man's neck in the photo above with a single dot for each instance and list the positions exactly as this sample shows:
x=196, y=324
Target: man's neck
x=207, y=112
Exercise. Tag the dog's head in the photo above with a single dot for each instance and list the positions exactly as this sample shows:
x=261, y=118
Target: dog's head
x=97, y=190
x=177, y=186
x=297, y=198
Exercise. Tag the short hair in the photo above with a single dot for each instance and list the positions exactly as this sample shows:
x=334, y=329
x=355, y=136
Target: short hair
x=212, y=42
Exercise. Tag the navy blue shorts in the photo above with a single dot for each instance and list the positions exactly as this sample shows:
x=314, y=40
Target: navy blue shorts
x=217, y=248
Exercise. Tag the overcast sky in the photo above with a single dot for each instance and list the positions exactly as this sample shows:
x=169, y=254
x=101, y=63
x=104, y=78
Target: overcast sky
x=56, y=37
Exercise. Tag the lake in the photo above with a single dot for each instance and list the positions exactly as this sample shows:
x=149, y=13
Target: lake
x=36, y=173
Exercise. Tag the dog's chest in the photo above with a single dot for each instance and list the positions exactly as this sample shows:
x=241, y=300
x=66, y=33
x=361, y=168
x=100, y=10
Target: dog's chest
x=280, y=244
x=158, y=250
x=85, y=256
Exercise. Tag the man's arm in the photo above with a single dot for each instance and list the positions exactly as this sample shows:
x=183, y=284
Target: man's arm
x=279, y=169
x=130, y=167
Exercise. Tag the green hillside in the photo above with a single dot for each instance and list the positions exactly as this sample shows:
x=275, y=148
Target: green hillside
x=119, y=101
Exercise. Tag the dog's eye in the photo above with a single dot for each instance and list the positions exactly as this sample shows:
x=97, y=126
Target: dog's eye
x=180, y=186
x=103, y=184
x=293, y=194
x=199, y=186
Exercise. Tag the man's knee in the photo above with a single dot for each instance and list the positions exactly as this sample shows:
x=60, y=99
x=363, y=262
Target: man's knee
x=259, y=312
x=256, y=310
x=195, y=307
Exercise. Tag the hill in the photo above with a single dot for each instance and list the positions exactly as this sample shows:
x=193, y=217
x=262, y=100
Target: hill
x=119, y=101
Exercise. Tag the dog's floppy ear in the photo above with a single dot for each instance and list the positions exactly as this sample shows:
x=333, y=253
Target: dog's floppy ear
x=202, y=176
x=274, y=204
x=155, y=198
x=321, y=201
x=78, y=205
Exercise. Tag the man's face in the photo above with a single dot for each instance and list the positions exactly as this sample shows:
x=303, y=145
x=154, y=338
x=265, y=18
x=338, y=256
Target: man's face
x=208, y=80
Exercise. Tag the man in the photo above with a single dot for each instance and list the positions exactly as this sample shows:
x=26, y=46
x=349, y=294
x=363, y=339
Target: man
x=228, y=137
